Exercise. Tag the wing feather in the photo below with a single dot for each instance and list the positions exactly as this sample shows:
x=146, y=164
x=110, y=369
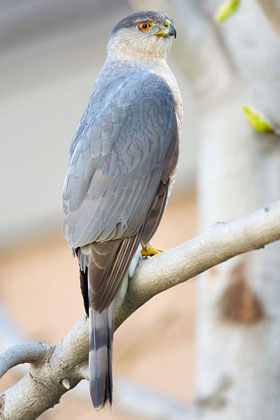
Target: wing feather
x=108, y=263
x=110, y=189
x=120, y=161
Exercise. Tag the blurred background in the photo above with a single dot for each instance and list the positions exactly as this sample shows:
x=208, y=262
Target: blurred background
x=51, y=54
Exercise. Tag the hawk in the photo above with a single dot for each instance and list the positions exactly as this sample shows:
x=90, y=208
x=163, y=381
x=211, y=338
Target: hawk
x=121, y=166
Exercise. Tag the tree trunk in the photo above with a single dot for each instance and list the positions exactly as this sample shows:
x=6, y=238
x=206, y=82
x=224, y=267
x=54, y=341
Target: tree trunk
x=238, y=311
x=238, y=319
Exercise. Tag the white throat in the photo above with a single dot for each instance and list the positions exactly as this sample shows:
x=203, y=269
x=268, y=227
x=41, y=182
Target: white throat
x=128, y=47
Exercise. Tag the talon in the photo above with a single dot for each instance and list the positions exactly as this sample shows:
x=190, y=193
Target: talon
x=150, y=251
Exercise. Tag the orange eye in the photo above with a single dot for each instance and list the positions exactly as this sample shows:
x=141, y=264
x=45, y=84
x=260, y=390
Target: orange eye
x=144, y=26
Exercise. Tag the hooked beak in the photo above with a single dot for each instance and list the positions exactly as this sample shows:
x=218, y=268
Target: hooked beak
x=169, y=30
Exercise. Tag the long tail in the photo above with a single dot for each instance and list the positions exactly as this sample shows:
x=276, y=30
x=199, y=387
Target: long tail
x=100, y=356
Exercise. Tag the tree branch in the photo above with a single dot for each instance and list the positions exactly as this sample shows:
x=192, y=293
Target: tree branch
x=64, y=366
x=23, y=353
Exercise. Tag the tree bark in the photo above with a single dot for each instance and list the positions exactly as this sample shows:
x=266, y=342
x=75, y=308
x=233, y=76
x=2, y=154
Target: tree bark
x=55, y=370
x=238, y=315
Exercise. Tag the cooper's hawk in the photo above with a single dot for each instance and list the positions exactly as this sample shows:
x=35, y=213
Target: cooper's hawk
x=121, y=165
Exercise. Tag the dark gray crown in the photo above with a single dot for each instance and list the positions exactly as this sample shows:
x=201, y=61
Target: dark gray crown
x=131, y=20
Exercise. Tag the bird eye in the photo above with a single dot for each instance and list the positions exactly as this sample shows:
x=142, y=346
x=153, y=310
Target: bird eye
x=144, y=26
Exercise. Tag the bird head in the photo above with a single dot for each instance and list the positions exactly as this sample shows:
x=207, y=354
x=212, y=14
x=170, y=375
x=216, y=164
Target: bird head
x=143, y=34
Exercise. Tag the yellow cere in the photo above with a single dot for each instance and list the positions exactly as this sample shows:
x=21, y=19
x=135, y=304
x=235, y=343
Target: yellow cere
x=166, y=24
x=226, y=9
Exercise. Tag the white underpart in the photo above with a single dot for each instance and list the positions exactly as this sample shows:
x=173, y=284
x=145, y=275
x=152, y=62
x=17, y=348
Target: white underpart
x=131, y=44
x=83, y=257
x=120, y=296
x=171, y=186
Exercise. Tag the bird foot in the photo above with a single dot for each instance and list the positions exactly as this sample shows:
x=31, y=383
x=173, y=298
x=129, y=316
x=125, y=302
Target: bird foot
x=149, y=251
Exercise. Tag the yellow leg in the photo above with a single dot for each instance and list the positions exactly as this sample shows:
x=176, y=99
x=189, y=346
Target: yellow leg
x=150, y=250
